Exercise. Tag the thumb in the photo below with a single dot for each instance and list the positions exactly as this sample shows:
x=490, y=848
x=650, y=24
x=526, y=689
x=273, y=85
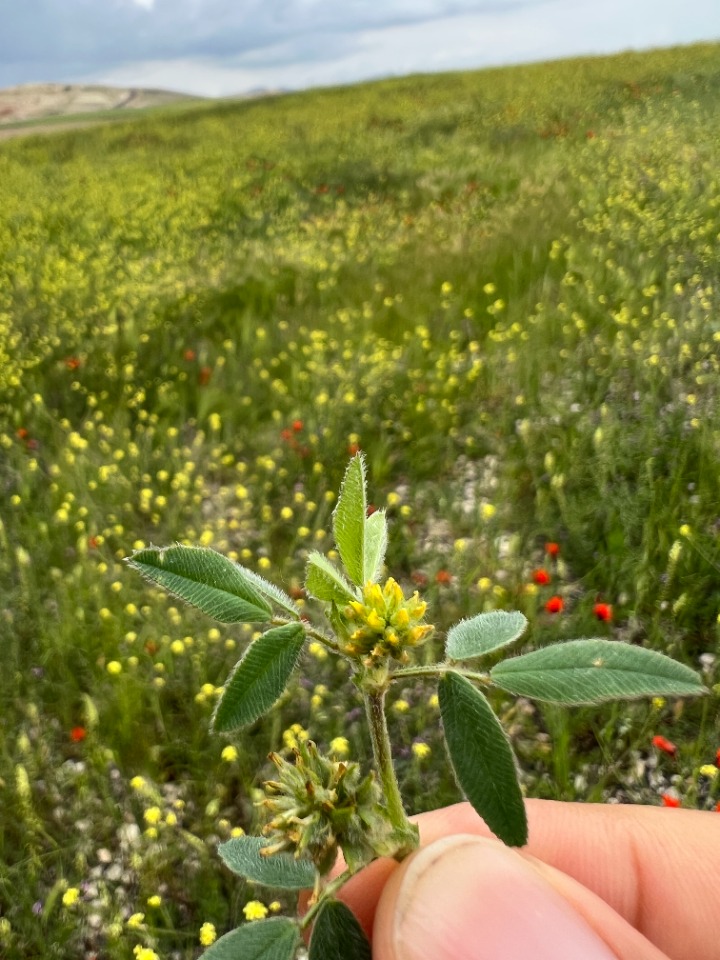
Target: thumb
x=470, y=898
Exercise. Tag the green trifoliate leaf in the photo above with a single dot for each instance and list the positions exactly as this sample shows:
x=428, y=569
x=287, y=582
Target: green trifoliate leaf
x=205, y=579
x=259, y=678
x=270, y=592
x=376, y=538
x=337, y=935
x=349, y=520
x=242, y=855
x=484, y=633
x=325, y=582
x=593, y=671
x=276, y=939
x=482, y=758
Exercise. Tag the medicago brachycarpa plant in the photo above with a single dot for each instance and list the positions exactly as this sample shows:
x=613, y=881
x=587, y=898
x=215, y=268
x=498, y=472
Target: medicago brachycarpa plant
x=318, y=806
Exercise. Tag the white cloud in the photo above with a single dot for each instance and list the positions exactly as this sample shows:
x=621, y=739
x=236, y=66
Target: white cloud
x=555, y=28
x=222, y=47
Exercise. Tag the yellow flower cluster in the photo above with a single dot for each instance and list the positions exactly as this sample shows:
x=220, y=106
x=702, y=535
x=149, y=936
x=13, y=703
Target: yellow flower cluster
x=144, y=953
x=255, y=910
x=385, y=624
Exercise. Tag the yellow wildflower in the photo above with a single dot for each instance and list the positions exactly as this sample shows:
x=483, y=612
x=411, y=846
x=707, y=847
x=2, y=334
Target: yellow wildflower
x=144, y=953
x=152, y=816
x=340, y=746
x=255, y=910
x=70, y=897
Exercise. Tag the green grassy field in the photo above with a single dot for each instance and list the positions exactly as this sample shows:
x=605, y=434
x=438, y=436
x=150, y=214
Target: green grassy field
x=502, y=286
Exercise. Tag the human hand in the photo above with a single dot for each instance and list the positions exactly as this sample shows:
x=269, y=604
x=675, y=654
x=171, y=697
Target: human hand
x=595, y=882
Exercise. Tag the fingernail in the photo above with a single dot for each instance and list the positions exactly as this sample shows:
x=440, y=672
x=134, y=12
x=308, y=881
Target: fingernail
x=469, y=898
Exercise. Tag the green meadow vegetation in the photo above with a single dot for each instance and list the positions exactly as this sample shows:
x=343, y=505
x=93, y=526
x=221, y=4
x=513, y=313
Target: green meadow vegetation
x=502, y=287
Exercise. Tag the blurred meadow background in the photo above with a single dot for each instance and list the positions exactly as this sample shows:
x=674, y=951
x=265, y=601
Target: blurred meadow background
x=503, y=287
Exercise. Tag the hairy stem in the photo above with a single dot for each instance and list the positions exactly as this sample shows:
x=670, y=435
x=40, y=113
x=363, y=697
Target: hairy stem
x=382, y=752
x=436, y=670
x=311, y=632
x=327, y=891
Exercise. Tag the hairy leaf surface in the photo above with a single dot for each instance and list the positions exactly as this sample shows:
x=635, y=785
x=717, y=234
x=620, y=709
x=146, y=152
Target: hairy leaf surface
x=260, y=677
x=349, y=520
x=270, y=592
x=593, y=671
x=482, y=758
x=242, y=855
x=325, y=582
x=275, y=939
x=206, y=579
x=376, y=539
x=484, y=633
x=337, y=935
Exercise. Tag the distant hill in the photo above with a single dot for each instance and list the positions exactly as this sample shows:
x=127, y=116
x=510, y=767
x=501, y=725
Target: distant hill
x=41, y=101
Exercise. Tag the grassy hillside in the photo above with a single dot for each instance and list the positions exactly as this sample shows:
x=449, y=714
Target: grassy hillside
x=502, y=286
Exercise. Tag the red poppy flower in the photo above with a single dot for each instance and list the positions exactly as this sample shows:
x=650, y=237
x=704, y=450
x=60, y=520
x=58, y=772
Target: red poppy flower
x=286, y=434
x=603, y=611
x=204, y=376
x=21, y=433
x=78, y=734
x=717, y=807
x=670, y=801
x=541, y=577
x=297, y=592
x=297, y=425
x=443, y=577
x=717, y=759
x=552, y=549
x=151, y=647
x=420, y=580
x=92, y=543
x=189, y=355
x=353, y=448
x=371, y=509
x=665, y=745
x=72, y=363
x=555, y=605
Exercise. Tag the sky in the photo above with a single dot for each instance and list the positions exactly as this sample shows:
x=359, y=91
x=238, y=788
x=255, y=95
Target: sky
x=228, y=47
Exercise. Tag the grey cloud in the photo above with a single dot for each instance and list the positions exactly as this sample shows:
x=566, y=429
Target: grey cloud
x=64, y=35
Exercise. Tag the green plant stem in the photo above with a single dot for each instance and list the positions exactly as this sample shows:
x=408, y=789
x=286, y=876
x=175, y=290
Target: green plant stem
x=326, y=892
x=382, y=752
x=436, y=670
x=311, y=632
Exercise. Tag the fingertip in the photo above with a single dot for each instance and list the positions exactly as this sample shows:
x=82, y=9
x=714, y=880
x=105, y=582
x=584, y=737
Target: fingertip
x=470, y=898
